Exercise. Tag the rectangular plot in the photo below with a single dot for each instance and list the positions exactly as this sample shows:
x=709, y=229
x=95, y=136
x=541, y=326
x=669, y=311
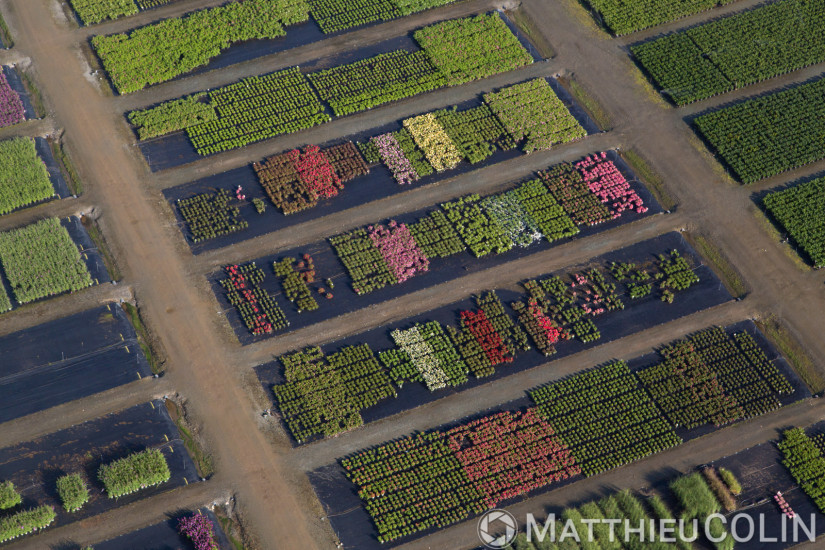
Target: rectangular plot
x=737, y=50
x=85, y=355
x=769, y=135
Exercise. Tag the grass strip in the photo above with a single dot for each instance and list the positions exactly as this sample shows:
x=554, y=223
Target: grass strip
x=143, y=336
x=793, y=351
x=721, y=265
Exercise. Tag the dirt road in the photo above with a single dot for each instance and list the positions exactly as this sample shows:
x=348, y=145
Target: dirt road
x=198, y=365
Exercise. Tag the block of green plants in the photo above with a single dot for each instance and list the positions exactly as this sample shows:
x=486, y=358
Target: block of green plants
x=42, y=260
x=24, y=179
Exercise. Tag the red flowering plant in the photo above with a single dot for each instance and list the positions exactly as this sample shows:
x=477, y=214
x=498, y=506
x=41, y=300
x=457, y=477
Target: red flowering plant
x=315, y=171
x=485, y=333
x=509, y=454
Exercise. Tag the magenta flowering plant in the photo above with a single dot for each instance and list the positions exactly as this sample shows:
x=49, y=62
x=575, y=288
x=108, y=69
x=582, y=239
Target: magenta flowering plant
x=11, y=106
x=605, y=181
x=399, y=250
x=198, y=528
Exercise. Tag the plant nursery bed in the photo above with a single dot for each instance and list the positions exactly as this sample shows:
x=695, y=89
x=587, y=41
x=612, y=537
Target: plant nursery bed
x=16, y=83
x=164, y=536
x=100, y=11
x=297, y=98
x=570, y=437
x=66, y=268
x=29, y=174
x=35, y=466
x=86, y=354
x=310, y=32
x=640, y=314
x=374, y=185
x=328, y=265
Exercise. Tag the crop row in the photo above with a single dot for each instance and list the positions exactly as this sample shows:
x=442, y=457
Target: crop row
x=768, y=135
x=735, y=51
x=327, y=398
x=262, y=107
x=584, y=424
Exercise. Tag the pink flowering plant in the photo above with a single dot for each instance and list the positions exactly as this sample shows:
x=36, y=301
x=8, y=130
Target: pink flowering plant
x=11, y=106
x=605, y=181
x=399, y=249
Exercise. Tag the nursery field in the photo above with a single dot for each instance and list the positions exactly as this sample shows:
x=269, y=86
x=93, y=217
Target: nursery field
x=422, y=353
x=163, y=50
x=449, y=53
x=166, y=535
x=89, y=12
x=45, y=259
x=731, y=52
x=92, y=450
x=369, y=265
x=621, y=17
x=297, y=186
x=458, y=346
x=800, y=211
x=768, y=135
x=86, y=354
x=576, y=427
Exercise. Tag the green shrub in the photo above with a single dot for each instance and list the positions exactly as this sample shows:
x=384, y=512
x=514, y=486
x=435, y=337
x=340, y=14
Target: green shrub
x=695, y=496
x=800, y=210
x=172, y=47
x=735, y=51
x=771, y=134
x=95, y=11
x=73, y=492
x=9, y=497
x=623, y=17
x=716, y=529
x=731, y=481
x=173, y=116
x=133, y=473
x=472, y=48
